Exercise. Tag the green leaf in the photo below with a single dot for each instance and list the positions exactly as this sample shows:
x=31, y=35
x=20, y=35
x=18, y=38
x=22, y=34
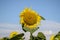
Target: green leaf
x=57, y=36
x=41, y=36
x=42, y=18
x=5, y=38
x=17, y=37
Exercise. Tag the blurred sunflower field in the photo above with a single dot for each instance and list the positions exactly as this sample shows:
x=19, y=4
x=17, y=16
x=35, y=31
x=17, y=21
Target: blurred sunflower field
x=29, y=20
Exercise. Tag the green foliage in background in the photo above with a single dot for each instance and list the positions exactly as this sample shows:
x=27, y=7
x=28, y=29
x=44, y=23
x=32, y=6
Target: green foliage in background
x=40, y=36
x=57, y=36
x=17, y=37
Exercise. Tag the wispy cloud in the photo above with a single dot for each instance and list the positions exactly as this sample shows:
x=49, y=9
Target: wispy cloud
x=6, y=29
x=8, y=26
x=47, y=27
x=50, y=26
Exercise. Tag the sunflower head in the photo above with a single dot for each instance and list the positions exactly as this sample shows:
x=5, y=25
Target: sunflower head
x=12, y=34
x=29, y=18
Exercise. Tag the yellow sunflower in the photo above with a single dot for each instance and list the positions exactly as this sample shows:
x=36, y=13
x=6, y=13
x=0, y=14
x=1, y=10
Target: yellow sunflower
x=12, y=34
x=29, y=18
x=52, y=37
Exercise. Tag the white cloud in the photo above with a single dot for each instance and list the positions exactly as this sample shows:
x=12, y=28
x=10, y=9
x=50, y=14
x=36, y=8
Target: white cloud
x=47, y=27
x=50, y=26
x=50, y=23
x=8, y=26
x=49, y=32
x=6, y=29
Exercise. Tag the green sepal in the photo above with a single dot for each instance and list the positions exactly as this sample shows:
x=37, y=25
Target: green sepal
x=23, y=28
x=30, y=30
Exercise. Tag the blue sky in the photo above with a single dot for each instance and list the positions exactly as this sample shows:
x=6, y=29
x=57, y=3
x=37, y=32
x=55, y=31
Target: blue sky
x=10, y=10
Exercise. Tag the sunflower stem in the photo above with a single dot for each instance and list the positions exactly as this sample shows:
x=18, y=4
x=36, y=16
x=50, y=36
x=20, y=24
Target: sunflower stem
x=31, y=36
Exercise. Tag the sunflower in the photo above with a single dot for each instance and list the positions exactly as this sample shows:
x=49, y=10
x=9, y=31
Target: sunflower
x=29, y=18
x=12, y=34
x=52, y=37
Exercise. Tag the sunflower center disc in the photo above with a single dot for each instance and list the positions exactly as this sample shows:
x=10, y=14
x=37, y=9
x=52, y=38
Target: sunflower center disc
x=30, y=18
